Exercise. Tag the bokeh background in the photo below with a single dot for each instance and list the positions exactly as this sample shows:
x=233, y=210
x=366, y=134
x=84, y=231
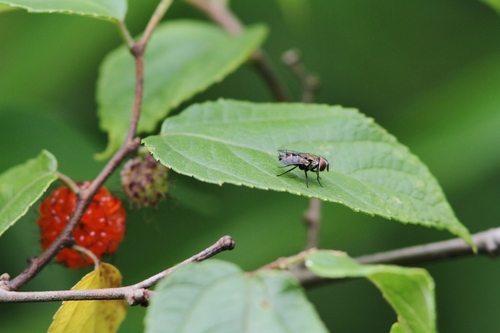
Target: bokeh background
x=426, y=70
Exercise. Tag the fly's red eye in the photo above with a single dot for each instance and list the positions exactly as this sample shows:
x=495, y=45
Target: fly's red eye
x=323, y=164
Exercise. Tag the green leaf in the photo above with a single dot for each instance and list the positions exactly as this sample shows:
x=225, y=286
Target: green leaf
x=216, y=296
x=397, y=328
x=410, y=291
x=113, y=10
x=236, y=142
x=6, y=8
x=182, y=59
x=22, y=185
x=495, y=4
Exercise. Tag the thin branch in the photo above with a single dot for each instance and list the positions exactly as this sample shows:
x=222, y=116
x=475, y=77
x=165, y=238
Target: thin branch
x=261, y=61
x=487, y=242
x=155, y=19
x=310, y=83
x=135, y=294
x=285, y=263
x=312, y=219
x=226, y=243
x=219, y=12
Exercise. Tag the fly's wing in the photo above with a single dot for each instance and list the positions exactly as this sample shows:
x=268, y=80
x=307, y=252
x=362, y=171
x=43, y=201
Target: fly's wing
x=292, y=152
x=290, y=157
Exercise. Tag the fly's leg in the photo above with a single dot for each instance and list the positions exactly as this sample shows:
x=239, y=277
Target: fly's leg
x=287, y=171
x=307, y=181
x=317, y=173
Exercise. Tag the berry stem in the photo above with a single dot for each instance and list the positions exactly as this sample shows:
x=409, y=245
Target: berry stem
x=88, y=253
x=69, y=182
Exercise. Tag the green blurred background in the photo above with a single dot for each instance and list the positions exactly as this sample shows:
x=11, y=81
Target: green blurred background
x=427, y=71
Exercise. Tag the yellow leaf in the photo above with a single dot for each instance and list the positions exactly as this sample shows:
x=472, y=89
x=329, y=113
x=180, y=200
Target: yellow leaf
x=92, y=316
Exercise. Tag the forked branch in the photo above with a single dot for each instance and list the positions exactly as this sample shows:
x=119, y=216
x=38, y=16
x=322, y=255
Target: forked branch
x=130, y=145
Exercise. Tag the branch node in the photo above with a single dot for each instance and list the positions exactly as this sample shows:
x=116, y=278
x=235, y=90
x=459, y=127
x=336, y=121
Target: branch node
x=31, y=260
x=291, y=57
x=489, y=242
x=4, y=281
x=226, y=243
x=138, y=296
x=137, y=49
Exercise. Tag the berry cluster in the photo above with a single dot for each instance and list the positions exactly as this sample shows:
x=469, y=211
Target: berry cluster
x=100, y=230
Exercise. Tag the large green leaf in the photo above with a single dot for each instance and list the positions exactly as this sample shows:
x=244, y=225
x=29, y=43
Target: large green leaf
x=182, y=59
x=495, y=4
x=216, y=296
x=410, y=291
x=113, y=10
x=236, y=142
x=22, y=185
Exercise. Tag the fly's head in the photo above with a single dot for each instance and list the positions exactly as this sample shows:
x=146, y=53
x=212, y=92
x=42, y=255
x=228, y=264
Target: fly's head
x=323, y=164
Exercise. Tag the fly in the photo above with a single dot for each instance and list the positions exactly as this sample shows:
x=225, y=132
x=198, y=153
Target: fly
x=303, y=161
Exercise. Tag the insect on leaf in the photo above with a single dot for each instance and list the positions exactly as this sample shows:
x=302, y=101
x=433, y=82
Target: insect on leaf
x=237, y=142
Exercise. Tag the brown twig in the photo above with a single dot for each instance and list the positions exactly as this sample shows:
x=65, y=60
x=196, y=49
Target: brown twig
x=218, y=11
x=130, y=145
x=310, y=83
x=223, y=244
x=285, y=263
x=155, y=19
x=487, y=242
x=312, y=219
x=134, y=294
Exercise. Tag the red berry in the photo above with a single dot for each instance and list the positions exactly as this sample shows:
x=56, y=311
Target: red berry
x=100, y=230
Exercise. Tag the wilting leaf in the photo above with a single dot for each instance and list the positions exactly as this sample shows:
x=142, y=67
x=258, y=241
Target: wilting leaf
x=92, y=316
